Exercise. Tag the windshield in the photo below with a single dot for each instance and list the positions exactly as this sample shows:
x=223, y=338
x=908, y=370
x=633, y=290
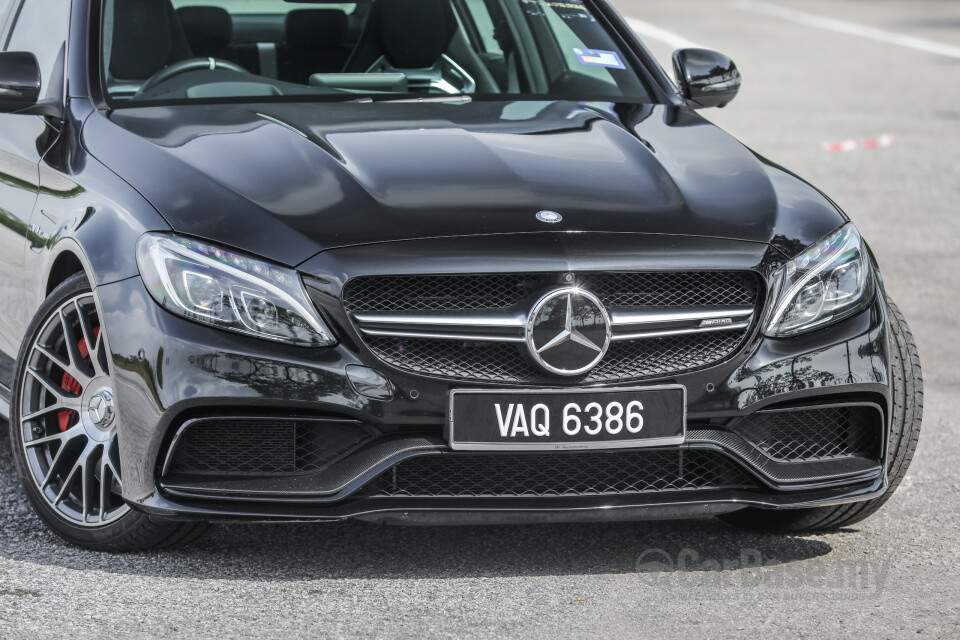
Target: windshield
x=188, y=50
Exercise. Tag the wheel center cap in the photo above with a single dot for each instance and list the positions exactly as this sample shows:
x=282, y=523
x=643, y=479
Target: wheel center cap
x=100, y=409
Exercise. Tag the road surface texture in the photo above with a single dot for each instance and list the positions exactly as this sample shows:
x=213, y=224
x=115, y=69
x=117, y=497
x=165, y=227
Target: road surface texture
x=839, y=70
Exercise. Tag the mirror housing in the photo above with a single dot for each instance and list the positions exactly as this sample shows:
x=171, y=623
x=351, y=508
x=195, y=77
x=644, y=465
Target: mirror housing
x=19, y=81
x=707, y=78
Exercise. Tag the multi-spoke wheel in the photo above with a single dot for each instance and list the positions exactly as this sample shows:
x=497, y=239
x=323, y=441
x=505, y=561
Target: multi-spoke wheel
x=64, y=428
x=67, y=417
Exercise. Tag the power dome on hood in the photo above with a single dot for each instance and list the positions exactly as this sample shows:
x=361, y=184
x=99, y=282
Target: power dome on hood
x=286, y=181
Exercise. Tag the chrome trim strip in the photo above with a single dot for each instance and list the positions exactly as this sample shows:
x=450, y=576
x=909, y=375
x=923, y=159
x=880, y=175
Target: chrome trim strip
x=468, y=337
x=471, y=327
x=492, y=327
x=515, y=321
x=620, y=316
x=662, y=333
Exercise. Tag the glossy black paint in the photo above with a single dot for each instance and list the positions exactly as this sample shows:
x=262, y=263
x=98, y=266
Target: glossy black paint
x=398, y=188
x=19, y=81
x=707, y=78
x=187, y=369
x=367, y=173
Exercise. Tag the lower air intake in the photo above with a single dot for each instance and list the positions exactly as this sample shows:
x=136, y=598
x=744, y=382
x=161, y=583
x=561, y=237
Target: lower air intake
x=805, y=435
x=258, y=446
x=558, y=474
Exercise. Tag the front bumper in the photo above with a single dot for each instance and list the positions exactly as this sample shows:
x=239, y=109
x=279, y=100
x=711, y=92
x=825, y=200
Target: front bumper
x=169, y=371
x=509, y=510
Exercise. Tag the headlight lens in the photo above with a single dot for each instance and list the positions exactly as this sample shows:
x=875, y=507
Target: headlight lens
x=229, y=290
x=828, y=282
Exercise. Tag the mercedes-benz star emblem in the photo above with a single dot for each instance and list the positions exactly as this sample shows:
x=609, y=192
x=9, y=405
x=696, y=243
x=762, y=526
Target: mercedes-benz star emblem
x=100, y=409
x=549, y=216
x=96, y=409
x=568, y=331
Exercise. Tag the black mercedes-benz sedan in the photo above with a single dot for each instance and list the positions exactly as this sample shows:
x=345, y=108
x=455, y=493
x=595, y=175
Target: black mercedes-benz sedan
x=419, y=261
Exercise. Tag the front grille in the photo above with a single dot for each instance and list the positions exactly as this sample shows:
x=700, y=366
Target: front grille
x=558, y=474
x=513, y=294
x=244, y=447
x=673, y=289
x=806, y=435
x=502, y=291
x=506, y=362
x=438, y=293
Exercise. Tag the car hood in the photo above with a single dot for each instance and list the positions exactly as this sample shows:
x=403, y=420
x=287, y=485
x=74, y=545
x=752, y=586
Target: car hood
x=286, y=181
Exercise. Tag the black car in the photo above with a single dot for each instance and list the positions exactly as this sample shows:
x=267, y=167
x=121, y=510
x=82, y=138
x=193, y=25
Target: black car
x=419, y=261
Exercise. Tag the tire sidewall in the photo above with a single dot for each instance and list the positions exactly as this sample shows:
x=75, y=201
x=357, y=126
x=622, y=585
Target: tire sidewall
x=90, y=535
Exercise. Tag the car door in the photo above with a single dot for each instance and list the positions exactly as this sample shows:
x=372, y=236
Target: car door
x=39, y=27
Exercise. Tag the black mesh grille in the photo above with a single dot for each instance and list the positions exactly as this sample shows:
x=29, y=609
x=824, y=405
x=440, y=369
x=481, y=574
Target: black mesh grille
x=558, y=474
x=658, y=357
x=682, y=289
x=263, y=447
x=506, y=362
x=438, y=293
x=502, y=291
x=814, y=434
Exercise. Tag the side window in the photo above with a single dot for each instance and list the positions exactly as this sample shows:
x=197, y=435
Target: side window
x=484, y=24
x=41, y=28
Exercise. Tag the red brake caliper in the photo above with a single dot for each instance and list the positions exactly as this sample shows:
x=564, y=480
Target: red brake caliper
x=70, y=385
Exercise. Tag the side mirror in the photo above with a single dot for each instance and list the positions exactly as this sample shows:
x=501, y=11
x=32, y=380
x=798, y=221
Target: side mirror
x=19, y=81
x=707, y=78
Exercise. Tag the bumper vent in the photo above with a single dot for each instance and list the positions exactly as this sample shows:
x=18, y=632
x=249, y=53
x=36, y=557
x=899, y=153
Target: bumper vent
x=805, y=435
x=558, y=474
x=471, y=327
x=257, y=446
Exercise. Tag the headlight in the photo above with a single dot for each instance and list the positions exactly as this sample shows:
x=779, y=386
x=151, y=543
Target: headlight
x=828, y=282
x=230, y=291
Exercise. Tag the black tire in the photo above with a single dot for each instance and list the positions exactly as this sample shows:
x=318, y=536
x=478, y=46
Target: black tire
x=119, y=528
x=907, y=382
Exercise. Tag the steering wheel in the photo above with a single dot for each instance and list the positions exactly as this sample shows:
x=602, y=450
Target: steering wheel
x=186, y=66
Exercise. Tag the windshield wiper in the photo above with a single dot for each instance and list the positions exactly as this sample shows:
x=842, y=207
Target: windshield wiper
x=461, y=98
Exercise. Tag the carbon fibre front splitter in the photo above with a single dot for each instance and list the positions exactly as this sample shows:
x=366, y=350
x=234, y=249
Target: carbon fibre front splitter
x=454, y=511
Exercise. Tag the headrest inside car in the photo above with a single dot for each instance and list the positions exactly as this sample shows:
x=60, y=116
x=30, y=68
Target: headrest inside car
x=209, y=30
x=414, y=34
x=316, y=28
x=147, y=36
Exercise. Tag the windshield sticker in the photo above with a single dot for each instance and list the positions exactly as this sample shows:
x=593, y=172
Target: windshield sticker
x=599, y=58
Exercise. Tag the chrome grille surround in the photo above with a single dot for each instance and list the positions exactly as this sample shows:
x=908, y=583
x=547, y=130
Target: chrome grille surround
x=473, y=327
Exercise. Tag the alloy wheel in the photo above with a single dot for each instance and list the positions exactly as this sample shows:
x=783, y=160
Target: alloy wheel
x=68, y=421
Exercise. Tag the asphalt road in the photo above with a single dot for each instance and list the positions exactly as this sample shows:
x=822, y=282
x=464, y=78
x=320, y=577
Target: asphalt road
x=895, y=575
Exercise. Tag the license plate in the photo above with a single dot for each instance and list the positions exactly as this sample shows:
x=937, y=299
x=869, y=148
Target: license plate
x=562, y=419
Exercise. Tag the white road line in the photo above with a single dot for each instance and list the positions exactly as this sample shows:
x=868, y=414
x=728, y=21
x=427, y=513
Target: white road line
x=849, y=28
x=652, y=31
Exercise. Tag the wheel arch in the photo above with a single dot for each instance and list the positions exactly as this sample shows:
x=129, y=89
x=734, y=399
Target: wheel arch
x=66, y=264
